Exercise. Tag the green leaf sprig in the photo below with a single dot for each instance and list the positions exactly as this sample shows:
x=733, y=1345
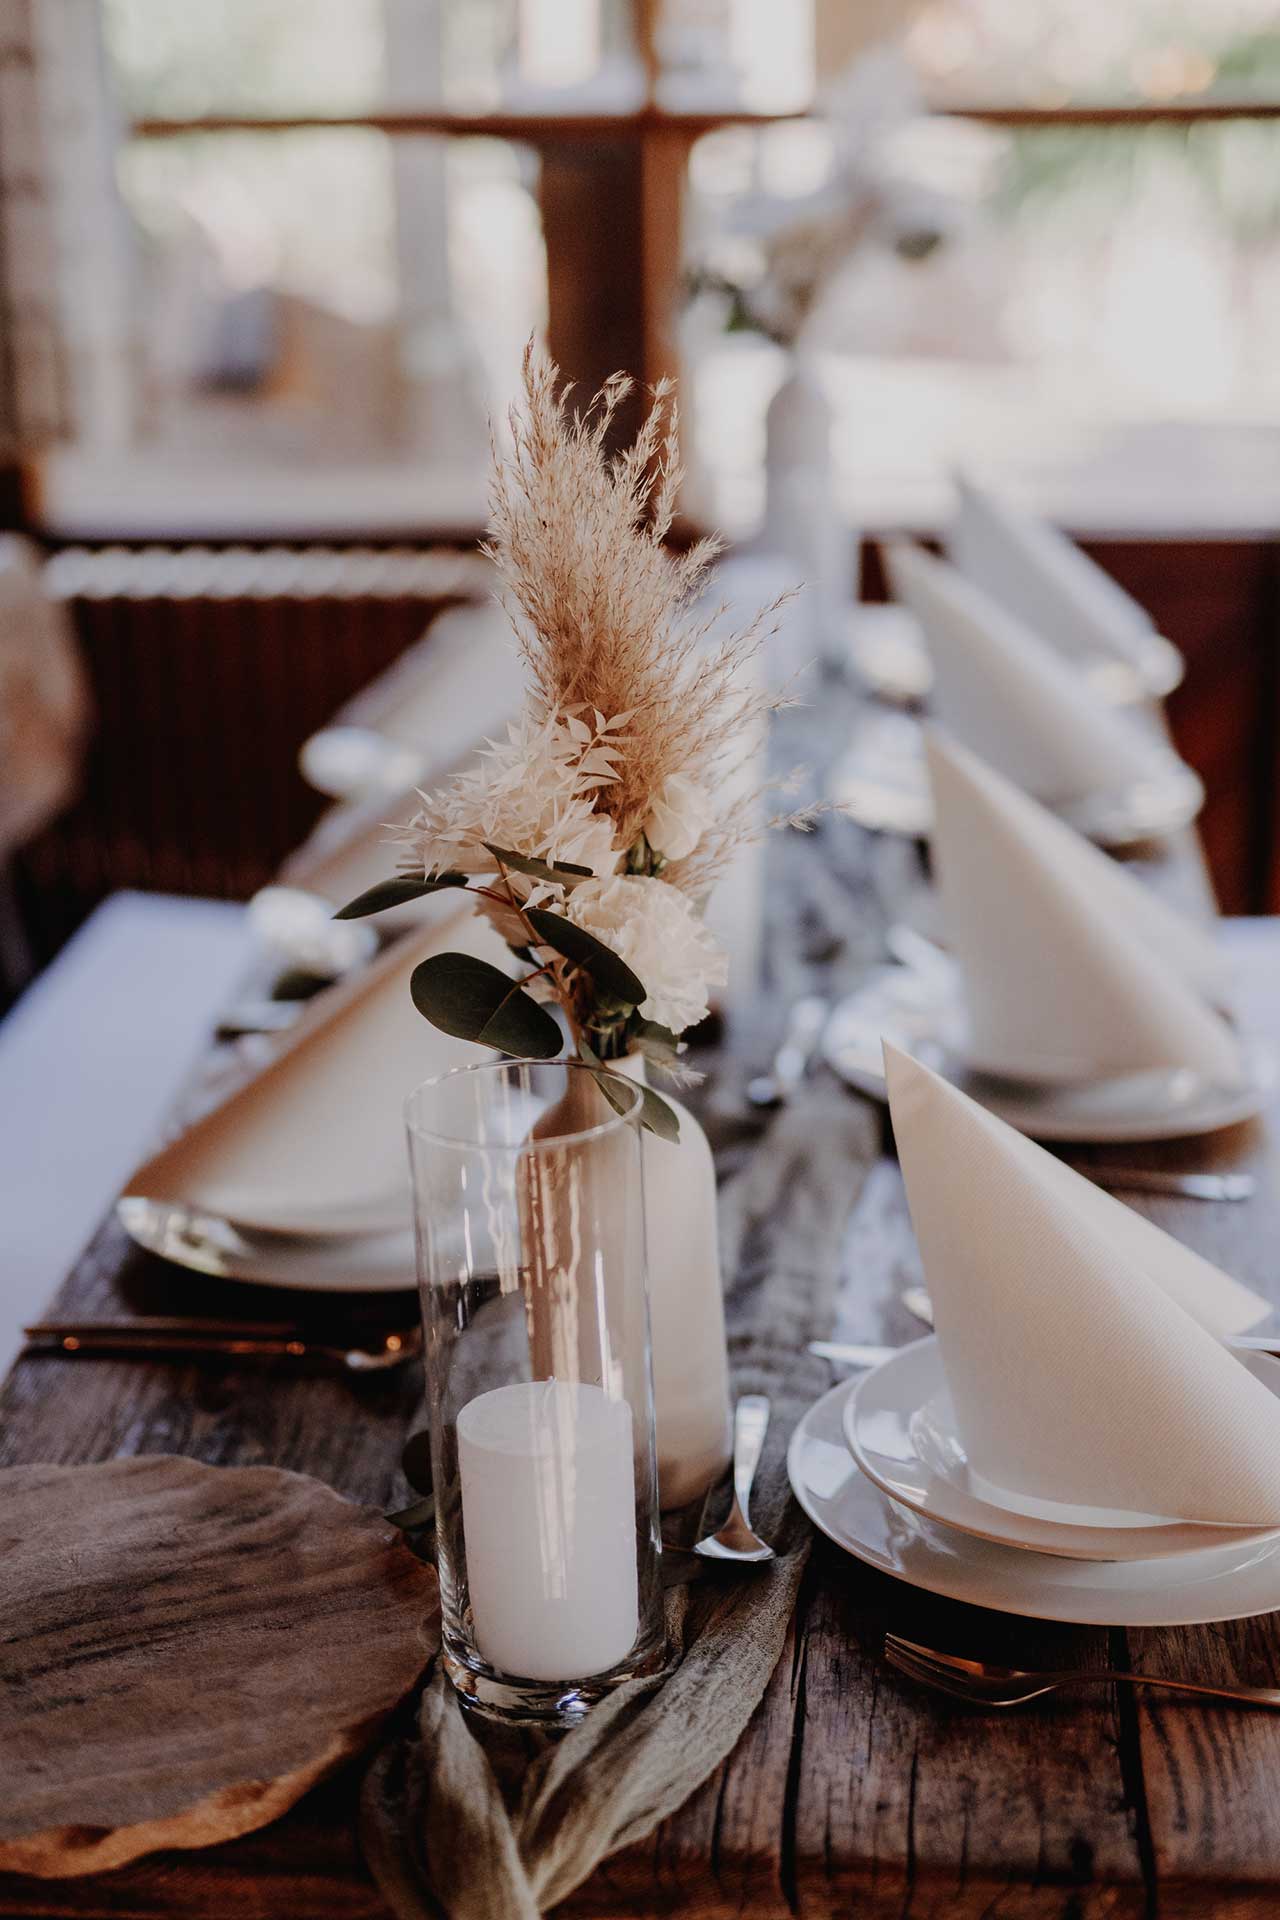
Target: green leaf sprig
x=471, y=999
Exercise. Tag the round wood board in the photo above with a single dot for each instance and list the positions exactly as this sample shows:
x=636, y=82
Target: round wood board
x=184, y=1650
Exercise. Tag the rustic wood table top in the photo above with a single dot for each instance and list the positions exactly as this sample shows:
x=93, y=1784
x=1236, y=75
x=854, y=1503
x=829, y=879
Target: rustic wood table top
x=851, y=1791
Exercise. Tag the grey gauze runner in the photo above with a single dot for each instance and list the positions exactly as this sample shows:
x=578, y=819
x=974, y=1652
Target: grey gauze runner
x=436, y=1830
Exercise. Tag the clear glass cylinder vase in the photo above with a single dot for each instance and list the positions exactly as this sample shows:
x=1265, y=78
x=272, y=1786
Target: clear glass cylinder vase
x=529, y=1215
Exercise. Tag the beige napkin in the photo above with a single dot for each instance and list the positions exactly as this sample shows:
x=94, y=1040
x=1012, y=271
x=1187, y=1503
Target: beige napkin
x=1081, y=1345
x=1011, y=697
x=1072, y=971
x=314, y=1143
x=1043, y=578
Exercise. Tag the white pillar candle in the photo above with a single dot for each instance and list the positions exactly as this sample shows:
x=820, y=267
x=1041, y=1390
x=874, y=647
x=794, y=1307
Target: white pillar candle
x=548, y=1513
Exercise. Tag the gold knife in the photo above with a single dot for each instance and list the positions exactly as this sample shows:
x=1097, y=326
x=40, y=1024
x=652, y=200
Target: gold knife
x=255, y=1339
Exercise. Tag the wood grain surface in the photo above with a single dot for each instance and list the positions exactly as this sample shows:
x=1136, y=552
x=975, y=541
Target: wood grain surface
x=851, y=1792
x=185, y=1649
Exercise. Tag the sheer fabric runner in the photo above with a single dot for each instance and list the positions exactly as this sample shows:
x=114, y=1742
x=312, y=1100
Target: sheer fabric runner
x=438, y=1833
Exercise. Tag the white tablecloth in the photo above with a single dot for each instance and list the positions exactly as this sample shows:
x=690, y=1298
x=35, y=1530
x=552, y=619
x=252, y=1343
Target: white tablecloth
x=90, y=1058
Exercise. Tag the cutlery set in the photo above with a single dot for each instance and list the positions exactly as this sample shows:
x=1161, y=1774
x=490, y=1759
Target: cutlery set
x=984, y=1684
x=249, y=1339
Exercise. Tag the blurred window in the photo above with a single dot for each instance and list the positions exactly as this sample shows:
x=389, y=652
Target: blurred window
x=294, y=296
x=1063, y=53
x=326, y=292
x=1107, y=266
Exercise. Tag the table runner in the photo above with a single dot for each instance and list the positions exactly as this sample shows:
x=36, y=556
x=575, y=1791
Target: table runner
x=438, y=1834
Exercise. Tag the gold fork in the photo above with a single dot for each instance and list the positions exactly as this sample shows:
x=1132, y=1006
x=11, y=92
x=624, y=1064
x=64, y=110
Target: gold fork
x=987, y=1685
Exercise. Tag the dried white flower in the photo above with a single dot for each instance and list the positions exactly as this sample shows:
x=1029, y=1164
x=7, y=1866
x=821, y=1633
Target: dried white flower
x=679, y=816
x=533, y=793
x=656, y=930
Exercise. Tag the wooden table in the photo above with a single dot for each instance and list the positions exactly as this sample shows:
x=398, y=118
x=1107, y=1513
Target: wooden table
x=851, y=1791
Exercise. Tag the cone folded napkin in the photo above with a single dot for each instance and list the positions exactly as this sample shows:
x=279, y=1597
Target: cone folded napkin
x=1081, y=1345
x=315, y=1142
x=1071, y=970
x=1043, y=578
x=1012, y=698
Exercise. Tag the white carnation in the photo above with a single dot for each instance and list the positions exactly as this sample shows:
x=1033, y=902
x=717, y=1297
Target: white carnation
x=680, y=814
x=655, y=929
x=533, y=792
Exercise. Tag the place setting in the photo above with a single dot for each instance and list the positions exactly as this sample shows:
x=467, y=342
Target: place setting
x=1089, y=1435
x=1068, y=997
x=1005, y=691
x=294, y=1177
x=1038, y=574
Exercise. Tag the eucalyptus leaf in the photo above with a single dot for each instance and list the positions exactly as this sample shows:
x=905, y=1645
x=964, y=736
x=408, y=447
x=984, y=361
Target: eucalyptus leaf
x=421, y=1514
x=396, y=892
x=604, y=1079
x=299, y=983
x=564, y=874
x=473, y=1000
x=659, y=1116
x=608, y=969
x=656, y=1042
x=415, y=1461
x=656, y=1115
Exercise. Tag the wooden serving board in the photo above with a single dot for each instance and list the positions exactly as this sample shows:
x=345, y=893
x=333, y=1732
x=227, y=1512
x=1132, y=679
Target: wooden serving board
x=185, y=1649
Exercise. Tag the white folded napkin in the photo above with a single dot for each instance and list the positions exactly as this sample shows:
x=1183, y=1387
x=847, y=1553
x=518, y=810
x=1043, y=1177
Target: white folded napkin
x=1072, y=971
x=1043, y=578
x=314, y=1143
x=1081, y=1345
x=1011, y=697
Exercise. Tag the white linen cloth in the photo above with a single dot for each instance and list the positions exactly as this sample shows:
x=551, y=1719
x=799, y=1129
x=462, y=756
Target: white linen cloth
x=314, y=1142
x=1081, y=1345
x=91, y=1055
x=1013, y=699
x=1043, y=578
x=1072, y=971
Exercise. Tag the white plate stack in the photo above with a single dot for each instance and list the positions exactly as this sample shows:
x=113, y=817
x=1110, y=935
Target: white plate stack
x=1080, y=1440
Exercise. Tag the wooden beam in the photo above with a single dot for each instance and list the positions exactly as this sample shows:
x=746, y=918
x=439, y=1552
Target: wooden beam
x=537, y=127
x=532, y=127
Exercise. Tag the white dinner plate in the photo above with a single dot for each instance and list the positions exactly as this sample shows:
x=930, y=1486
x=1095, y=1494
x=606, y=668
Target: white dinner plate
x=889, y=653
x=901, y=1429
x=921, y=1016
x=374, y=1263
x=1227, y=1583
x=882, y=782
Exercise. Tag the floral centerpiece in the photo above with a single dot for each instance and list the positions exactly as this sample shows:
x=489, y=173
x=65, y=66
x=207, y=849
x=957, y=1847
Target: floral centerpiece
x=592, y=834
x=780, y=255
